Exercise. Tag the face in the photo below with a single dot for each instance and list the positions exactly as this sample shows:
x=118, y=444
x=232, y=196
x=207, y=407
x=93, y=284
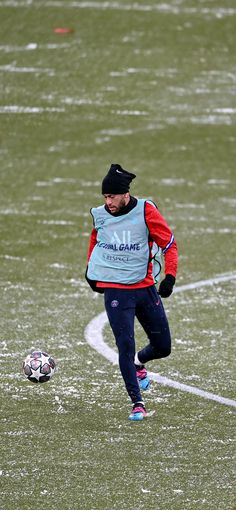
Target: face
x=116, y=202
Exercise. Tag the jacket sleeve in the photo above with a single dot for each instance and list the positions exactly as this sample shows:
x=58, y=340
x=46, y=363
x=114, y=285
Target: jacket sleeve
x=161, y=234
x=92, y=243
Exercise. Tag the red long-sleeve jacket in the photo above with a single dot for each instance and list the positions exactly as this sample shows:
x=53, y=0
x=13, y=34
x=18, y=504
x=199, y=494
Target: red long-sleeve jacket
x=161, y=234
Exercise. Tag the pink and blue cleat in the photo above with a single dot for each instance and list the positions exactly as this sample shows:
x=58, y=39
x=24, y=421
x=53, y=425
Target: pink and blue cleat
x=138, y=412
x=143, y=379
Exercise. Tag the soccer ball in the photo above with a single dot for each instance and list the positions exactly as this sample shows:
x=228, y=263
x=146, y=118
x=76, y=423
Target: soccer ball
x=39, y=366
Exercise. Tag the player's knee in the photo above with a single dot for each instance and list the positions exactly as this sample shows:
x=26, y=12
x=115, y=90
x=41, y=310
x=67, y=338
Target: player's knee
x=166, y=352
x=161, y=351
x=125, y=344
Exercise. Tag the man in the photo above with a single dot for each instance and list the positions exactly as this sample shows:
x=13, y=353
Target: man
x=120, y=265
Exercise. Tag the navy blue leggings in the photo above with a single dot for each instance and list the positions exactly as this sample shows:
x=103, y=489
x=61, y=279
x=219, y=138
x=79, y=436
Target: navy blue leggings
x=122, y=305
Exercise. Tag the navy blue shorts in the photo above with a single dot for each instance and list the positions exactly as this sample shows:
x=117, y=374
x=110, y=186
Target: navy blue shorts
x=122, y=306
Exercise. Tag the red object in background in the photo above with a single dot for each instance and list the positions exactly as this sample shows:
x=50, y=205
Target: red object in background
x=62, y=30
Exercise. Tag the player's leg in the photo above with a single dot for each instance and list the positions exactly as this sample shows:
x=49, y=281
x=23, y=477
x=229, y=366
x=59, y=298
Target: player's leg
x=120, y=307
x=151, y=315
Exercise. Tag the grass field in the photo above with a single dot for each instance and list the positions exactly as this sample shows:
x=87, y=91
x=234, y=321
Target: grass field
x=152, y=86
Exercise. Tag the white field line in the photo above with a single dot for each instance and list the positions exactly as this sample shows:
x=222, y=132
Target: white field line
x=29, y=109
x=131, y=6
x=202, y=283
x=94, y=337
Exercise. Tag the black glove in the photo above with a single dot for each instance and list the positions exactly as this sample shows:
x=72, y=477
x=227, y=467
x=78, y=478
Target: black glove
x=166, y=286
x=93, y=283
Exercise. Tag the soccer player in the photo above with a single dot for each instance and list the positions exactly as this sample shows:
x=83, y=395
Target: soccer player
x=121, y=265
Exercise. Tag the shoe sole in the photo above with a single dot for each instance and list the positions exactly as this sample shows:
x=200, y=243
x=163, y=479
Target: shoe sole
x=136, y=416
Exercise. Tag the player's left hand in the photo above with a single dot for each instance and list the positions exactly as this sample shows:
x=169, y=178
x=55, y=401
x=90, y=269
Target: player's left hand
x=166, y=286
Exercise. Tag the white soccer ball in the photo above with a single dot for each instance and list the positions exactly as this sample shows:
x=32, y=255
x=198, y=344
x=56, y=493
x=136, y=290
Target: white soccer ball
x=39, y=366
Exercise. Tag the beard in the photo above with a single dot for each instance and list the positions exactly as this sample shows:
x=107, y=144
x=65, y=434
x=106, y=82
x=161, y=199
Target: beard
x=118, y=206
x=121, y=204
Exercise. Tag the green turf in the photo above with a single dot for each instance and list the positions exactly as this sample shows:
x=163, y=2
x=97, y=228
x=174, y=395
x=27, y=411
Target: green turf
x=150, y=85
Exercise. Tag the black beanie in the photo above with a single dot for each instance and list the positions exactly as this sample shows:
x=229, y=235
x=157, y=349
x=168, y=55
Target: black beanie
x=117, y=180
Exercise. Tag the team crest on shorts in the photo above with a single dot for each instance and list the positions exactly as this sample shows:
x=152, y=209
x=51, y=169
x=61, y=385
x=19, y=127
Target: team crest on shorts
x=114, y=303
